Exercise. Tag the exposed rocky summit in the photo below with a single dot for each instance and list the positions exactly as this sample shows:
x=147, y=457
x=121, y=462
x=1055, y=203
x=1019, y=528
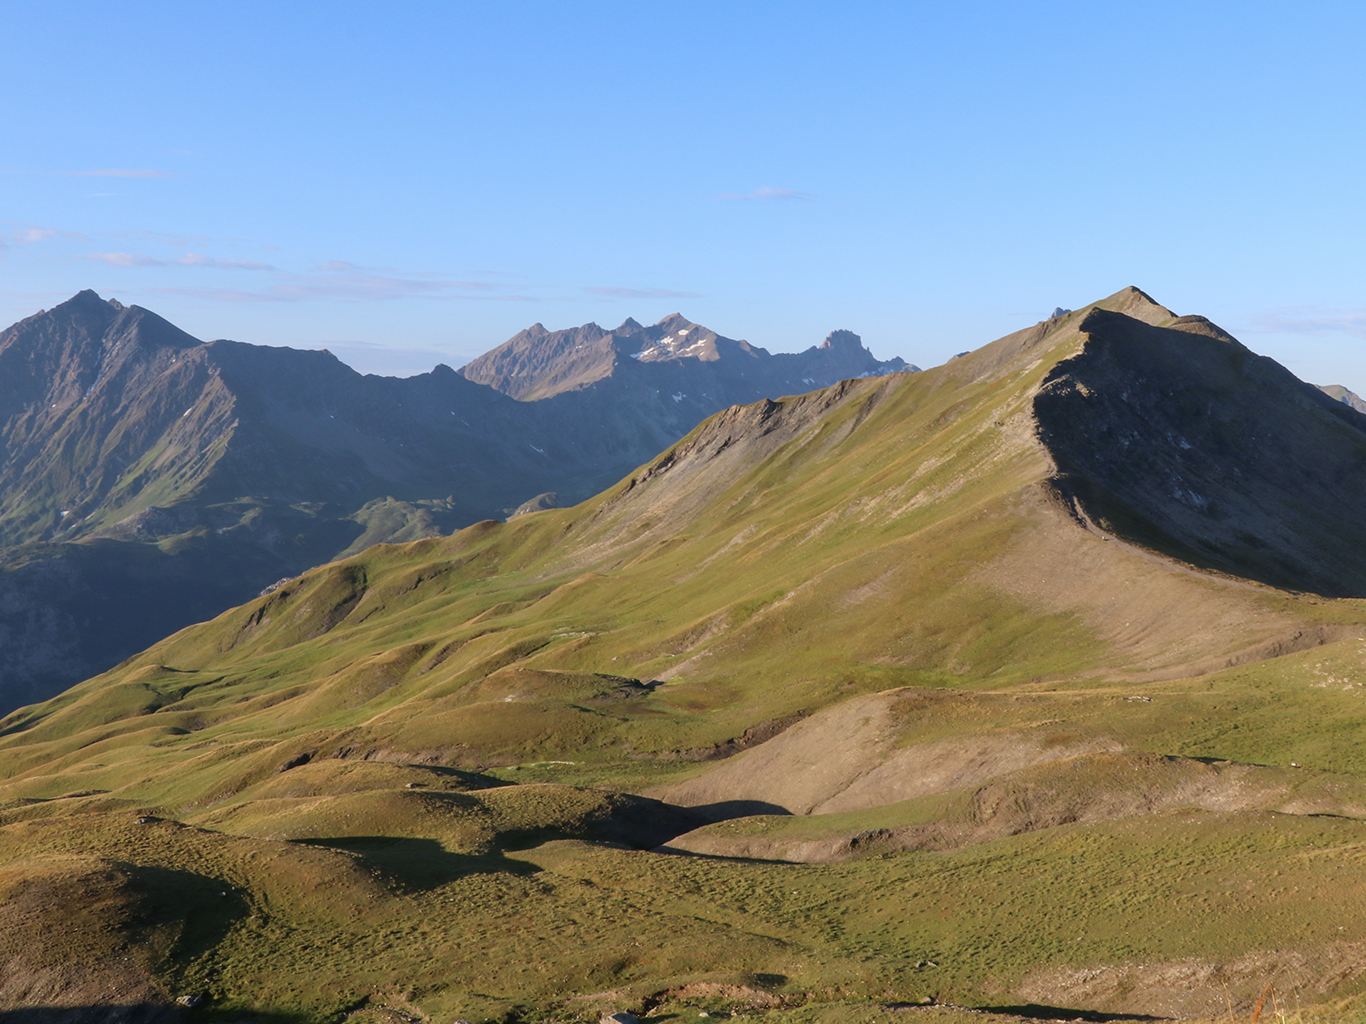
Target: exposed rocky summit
x=701, y=367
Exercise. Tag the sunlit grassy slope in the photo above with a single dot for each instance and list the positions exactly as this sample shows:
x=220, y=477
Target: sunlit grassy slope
x=954, y=739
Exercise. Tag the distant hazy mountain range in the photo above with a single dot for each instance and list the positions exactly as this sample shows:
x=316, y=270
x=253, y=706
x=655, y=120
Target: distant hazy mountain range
x=703, y=366
x=149, y=480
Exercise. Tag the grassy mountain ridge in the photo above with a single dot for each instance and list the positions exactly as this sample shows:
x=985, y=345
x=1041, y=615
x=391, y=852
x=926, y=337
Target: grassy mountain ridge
x=888, y=624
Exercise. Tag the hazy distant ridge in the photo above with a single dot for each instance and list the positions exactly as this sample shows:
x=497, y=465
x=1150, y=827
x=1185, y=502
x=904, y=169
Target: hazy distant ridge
x=537, y=363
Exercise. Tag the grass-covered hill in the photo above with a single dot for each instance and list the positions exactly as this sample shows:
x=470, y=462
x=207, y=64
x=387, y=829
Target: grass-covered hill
x=149, y=480
x=934, y=686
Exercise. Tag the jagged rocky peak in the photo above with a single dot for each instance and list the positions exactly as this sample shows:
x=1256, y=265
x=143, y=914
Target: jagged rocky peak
x=141, y=325
x=85, y=307
x=675, y=321
x=86, y=297
x=57, y=357
x=843, y=355
x=677, y=337
x=684, y=357
x=842, y=340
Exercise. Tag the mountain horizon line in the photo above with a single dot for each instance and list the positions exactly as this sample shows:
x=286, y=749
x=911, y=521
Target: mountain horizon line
x=207, y=470
x=538, y=327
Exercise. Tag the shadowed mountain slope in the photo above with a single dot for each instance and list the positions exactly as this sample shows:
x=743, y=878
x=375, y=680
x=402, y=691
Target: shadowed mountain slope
x=891, y=615
x=130, y=373
x=109, y=411
x=1179, y=437
x=191, y=475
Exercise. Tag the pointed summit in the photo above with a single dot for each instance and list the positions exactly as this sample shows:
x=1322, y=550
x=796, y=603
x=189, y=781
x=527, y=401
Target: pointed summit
x=842, y=341
x=674, y=322
x=1138, y=304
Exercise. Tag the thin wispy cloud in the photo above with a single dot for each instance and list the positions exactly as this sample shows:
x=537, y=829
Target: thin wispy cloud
x=331, y=280
x=28, y=234
x=642, y=293
x=1312, y=320
x=349, y=282
x=193, y=259
x=118, y=172
x=769, y=193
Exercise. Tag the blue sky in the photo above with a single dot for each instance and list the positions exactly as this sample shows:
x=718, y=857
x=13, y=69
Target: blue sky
x=412, y=182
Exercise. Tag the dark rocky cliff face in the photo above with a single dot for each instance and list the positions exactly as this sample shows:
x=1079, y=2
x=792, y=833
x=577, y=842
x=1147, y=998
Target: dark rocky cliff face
x=1180, y=438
